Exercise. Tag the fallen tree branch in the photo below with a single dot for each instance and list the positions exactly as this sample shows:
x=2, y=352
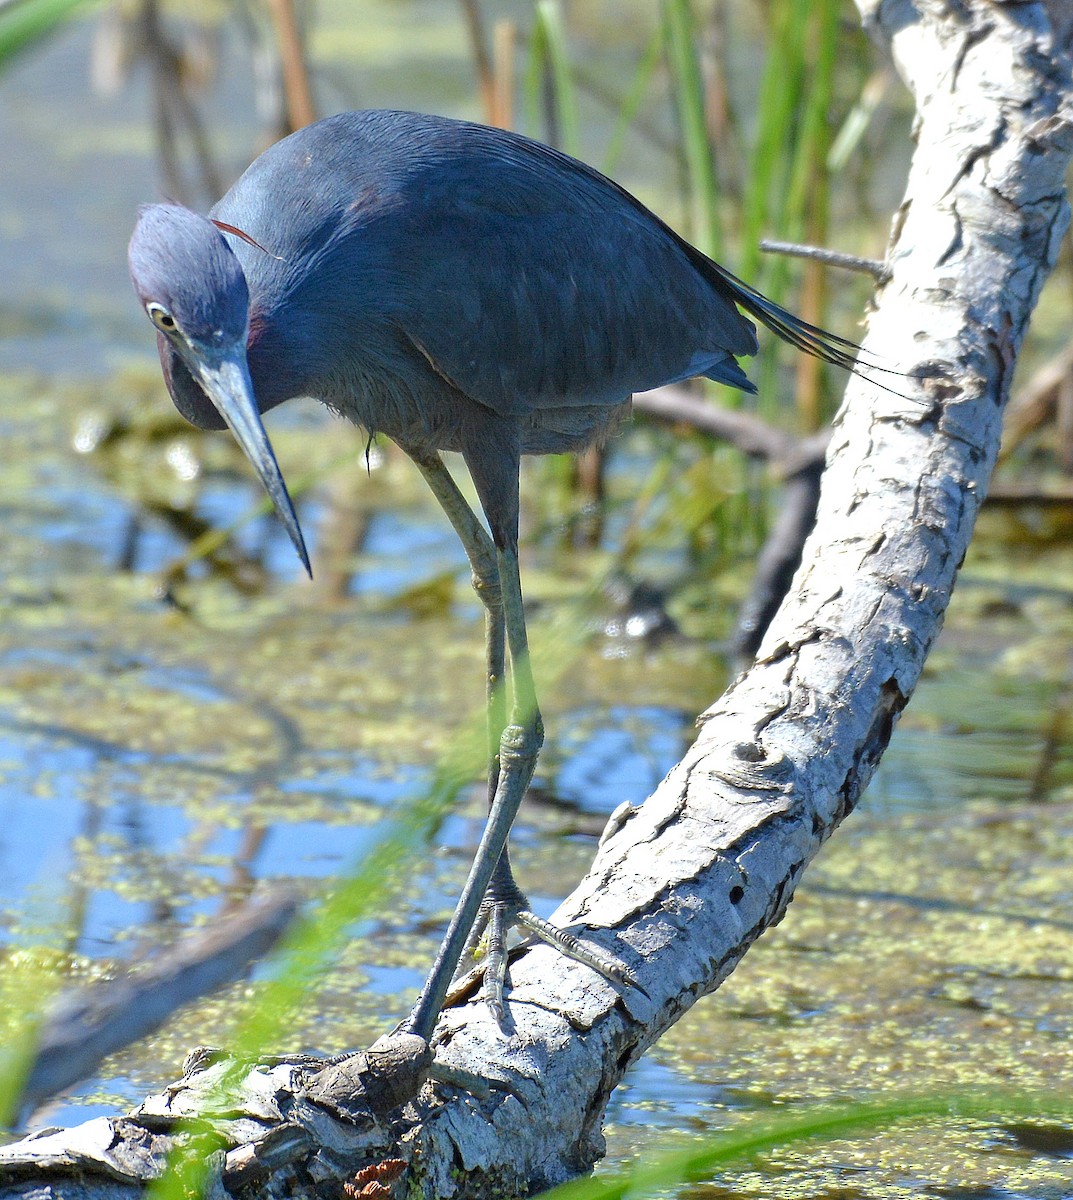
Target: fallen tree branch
x=797, y=461
x=1039, y=400
x=779, y=558
x=683, y=885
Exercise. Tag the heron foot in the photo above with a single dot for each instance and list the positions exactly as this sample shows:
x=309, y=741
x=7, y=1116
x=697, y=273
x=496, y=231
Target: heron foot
x=505, y=906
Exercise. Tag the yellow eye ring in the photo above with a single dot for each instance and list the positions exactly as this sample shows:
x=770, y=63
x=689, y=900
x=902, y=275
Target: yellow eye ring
x=161, y=318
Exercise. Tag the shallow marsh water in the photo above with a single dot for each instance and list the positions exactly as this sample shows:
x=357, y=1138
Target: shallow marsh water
x=155, y=759
x=163, y=745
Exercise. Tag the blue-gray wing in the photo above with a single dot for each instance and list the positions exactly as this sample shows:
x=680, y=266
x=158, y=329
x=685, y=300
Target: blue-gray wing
x=540, y=284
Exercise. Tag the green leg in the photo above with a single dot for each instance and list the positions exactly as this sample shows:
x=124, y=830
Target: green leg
x=490, y=898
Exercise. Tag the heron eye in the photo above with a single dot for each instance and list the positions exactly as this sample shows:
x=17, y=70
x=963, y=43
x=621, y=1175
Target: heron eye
x=161, y=318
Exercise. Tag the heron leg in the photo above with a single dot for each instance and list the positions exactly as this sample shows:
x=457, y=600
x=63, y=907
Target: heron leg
x=491, y=900
x=521, y=740
x=481, y=552
x=517, y=753
x=504, y=904
x=471, y=916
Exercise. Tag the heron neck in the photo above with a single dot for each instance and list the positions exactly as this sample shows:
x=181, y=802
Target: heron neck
x=279, y=360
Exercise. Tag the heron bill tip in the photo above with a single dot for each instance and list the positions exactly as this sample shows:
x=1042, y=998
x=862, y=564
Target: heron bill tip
x=227, y=383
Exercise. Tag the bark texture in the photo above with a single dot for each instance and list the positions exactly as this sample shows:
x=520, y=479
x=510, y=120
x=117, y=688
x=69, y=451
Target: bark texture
x=683, y=885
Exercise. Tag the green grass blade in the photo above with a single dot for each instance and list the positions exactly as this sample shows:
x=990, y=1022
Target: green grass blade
x=31, y=977
x=782, y=98
x=680, y=39
x=299, y=966
x=533, y=85
x=857, y=121
x=549, y=54
x=368, y=890
x=808, y=173
x=650, y=60
x=804, y=214
x=27, y=22
x=698, y=1163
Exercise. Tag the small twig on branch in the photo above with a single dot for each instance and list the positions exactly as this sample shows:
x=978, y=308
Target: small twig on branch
x=831, y=258
x=1014, y=495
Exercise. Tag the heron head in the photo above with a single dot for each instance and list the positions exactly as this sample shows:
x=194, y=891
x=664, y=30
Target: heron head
x=193, y=290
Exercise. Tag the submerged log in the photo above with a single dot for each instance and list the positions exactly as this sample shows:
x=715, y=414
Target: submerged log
x=84, y=1027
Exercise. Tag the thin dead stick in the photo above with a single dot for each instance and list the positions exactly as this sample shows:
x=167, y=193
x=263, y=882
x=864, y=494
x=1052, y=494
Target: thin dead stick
x=504, y=40
x=482, y=58
x=1038, y=401
x=784, y=452
x=831, y=258
x=296, y=86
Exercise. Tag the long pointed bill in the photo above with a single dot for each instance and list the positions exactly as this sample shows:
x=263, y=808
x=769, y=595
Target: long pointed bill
x=226, y=381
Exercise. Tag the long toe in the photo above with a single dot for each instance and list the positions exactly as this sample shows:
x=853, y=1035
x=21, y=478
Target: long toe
x=495, y=965
x=505, y=908
x=572, y=946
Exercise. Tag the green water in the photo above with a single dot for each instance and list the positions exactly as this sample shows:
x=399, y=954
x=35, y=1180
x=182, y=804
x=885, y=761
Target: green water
x=170, y=737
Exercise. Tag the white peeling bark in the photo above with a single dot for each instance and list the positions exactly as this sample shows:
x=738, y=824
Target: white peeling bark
x=685, y=884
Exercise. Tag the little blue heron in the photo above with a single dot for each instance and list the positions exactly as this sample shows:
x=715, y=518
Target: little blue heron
x=454, y=287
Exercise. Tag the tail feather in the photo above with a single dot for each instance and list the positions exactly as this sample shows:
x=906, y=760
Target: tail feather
x=811, y=339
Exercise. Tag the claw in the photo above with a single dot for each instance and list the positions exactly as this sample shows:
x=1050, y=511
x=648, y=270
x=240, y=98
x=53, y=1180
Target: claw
x=478, y=1086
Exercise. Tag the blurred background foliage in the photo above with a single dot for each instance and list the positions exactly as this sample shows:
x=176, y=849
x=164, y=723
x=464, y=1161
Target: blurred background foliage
x=184, y=723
